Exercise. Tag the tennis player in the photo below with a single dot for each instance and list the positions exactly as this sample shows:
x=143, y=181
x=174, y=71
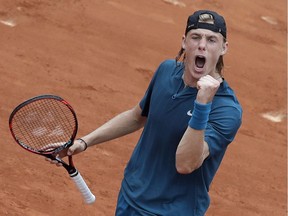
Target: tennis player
x=190, y=115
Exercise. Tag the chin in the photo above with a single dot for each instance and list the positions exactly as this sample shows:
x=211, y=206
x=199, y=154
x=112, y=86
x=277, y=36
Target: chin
x=198, y=75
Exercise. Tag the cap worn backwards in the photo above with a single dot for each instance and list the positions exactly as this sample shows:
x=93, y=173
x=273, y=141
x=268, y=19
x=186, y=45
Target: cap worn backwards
x=216, y=22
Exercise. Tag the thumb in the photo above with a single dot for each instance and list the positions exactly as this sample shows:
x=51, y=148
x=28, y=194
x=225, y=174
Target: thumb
x=71, y=150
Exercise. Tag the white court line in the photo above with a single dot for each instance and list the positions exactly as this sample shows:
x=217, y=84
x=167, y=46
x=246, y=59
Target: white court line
x=9, y=23
x=269, y=20
x=175, y=2
x=274, y=116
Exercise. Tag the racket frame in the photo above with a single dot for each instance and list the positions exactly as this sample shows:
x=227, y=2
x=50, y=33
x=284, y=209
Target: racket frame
x=57, y=149
x=74, y=174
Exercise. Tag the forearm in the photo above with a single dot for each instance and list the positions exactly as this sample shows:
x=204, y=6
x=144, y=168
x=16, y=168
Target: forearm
x=192, y=151
x=123, y=124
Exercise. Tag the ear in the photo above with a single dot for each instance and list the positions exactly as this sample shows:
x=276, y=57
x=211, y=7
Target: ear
x=183, y=42
x=224, y=48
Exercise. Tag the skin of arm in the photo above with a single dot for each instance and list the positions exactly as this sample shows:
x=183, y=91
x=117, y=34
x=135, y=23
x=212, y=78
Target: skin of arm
x=122, y=124
x=192, y=151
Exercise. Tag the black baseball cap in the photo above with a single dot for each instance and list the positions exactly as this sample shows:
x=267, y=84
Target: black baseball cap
x=218, y=25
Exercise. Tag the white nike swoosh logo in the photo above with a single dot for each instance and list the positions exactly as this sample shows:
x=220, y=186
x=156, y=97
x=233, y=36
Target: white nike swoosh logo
x=189, y=113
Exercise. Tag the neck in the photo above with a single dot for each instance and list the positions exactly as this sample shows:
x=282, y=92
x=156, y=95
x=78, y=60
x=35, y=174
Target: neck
x=188, y=83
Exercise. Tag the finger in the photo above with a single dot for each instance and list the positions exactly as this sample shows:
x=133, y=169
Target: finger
x=51, y=146
x=48, y=159
x=207, y=81
x=57, y=160
x=71, y=150
x=57, y=163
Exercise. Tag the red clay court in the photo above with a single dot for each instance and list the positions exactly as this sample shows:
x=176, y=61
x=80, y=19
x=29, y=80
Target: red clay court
x=100, y=55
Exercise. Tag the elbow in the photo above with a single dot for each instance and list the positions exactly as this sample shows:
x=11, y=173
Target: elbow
x=184, y=170
x=187, y=162
x=187, y=168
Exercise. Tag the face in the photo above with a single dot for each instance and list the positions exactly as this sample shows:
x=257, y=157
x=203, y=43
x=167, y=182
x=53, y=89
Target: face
x=202, y=49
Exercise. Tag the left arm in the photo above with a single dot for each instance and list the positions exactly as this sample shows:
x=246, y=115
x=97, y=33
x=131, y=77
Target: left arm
x=192, y=149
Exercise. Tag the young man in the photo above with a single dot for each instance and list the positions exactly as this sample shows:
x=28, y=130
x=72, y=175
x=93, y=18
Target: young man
x=190, y=115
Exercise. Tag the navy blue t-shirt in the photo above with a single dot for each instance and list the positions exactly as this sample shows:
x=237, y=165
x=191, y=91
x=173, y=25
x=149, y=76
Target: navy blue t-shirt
x=151, y=182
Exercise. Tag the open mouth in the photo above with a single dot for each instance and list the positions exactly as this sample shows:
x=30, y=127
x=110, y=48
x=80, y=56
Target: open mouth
x=200, y=61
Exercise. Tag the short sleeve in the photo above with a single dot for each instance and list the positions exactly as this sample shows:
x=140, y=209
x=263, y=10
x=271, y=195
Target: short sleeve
x=145, y=101
x=223, y=124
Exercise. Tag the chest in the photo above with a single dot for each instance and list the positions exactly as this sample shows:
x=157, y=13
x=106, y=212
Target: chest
x=171, y=104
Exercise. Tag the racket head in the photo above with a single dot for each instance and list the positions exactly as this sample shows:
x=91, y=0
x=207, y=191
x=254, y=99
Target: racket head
x=45, y=124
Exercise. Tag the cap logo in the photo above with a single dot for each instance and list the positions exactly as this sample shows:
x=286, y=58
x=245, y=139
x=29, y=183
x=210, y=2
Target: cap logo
x=190, y=26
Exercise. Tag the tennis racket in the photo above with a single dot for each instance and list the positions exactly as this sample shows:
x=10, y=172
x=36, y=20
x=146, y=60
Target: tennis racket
x=46, y=125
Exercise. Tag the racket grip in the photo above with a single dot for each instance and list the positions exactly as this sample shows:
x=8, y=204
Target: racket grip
x=83, y=188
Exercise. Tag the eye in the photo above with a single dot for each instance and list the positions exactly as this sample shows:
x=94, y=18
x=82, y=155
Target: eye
x=195, y=37
x=212, y=39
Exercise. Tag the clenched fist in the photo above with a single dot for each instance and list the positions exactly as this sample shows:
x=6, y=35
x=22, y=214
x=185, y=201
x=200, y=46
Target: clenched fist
x=207, y=88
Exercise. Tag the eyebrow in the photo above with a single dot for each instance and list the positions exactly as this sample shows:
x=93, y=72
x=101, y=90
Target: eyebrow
x=205, y=35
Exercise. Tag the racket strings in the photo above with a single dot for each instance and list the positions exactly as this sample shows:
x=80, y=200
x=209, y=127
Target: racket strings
x=44, y=125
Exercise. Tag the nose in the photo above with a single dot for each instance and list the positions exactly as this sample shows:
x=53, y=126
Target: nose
x=202, y=44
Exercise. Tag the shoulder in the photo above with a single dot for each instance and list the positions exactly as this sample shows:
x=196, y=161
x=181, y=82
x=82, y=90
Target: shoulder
x=227, y=99
x=167, y=64
x=170, y=66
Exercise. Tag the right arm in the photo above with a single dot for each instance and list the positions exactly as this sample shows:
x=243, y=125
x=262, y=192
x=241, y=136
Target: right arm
x=122, y=124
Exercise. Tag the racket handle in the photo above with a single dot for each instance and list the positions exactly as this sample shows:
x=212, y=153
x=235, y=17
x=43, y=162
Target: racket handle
x=83, y=188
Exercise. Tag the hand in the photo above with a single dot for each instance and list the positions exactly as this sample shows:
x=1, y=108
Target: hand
x=77, y=147
x=207, y=88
